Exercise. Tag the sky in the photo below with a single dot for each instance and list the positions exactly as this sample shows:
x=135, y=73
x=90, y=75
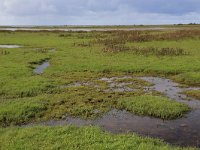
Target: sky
x=98, y=12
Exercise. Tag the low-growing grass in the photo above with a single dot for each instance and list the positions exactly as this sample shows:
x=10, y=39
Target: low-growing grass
x=76, y=101
x=19, y=111
x=190, y=78
x=25, y=86
x=193, y=93
x=155, y=106
x=93, y=59
x=69, y=137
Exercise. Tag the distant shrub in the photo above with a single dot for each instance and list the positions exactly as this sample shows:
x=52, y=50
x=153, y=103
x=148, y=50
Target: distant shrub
x=146, y=50
x=65, y=35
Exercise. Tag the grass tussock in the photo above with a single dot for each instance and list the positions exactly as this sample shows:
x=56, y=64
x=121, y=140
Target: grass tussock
x=155, y=106
x=189, y=78
x=21, y=111
x=83, y=44
x=4, y=52
x=193, y=93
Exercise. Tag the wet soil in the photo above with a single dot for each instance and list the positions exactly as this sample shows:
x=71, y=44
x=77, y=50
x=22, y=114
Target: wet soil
x=113, y=85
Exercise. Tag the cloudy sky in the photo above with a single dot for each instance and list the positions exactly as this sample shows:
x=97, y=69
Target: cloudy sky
x=98, y=12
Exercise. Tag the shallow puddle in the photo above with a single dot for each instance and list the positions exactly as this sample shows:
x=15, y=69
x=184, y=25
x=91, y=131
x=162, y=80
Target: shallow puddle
x=113, y=85
x=183, y=131
x=10, y=46
x=40, y=69
x=172, y=90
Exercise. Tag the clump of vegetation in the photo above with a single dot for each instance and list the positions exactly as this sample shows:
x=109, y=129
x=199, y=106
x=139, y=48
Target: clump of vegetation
x=75, y=101
x=21, y=111
x=26, y=87
x=155, y=106
x=4, y=52
x=193, y=93
x=65, y=35
x=44, y=50
x=146, y=50
x=115, y=48
x=189, y=78
x=38, y=62
x=83, y=44
x=171, y=52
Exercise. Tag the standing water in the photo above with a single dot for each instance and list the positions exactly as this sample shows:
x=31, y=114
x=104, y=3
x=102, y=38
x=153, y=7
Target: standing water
x=40, y=69
x=183, y=131
x=10, y=46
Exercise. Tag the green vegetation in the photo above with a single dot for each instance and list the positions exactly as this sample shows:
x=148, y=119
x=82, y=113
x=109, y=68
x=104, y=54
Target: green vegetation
x=18, y=111
x=76, y=101
x=190, y=78
x=193, y=93
x=93, y=59
x=72, y=84
x=74, y=138
x=154, y=106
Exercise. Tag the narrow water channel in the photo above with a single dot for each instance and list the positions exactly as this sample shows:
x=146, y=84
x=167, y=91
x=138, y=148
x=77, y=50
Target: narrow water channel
x=10, y=46
x=40, y=69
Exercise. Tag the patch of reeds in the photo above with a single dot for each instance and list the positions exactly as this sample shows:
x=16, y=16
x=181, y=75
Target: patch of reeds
x=65, y=35
x=146, y=51
x=4, y=52
x=121, y=37
x=44, y=50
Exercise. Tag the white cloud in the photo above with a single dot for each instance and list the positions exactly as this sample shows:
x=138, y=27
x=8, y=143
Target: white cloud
x=42, y=12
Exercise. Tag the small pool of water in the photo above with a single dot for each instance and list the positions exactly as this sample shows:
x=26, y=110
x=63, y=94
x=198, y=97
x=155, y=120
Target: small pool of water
x=40, y=69
x=182, y=132
x=10, y=46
